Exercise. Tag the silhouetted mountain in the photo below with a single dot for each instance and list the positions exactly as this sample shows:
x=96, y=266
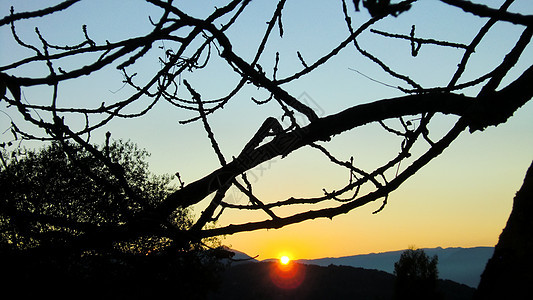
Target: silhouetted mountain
x=462, y=265
x=268, y=280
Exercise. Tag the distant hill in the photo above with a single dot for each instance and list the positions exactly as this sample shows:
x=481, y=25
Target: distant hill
x=462, y=265
x=260, y=280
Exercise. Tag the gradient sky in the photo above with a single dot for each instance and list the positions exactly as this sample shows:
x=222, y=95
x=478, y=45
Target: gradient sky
x=462, y=198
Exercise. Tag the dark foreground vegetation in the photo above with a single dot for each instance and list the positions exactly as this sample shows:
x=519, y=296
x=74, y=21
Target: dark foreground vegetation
x=67, y=276
x=55, y=221
x=255, y=281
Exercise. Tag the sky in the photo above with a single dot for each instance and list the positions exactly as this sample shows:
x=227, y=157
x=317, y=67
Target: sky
x=461, y=199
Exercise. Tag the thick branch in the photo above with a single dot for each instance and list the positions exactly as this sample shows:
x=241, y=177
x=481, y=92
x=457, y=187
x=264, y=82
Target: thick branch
x=485, y=11
x=500, y=106
x=493, y=110
x=331, y=212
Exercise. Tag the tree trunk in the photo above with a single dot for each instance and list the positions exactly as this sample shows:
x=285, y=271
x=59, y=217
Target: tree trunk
x=509, y=273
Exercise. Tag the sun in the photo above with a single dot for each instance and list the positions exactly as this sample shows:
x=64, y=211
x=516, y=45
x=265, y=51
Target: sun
x=284, y=260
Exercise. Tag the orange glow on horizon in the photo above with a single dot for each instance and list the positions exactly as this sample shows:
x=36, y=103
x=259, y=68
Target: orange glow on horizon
x=284, y=260
x=287, y=275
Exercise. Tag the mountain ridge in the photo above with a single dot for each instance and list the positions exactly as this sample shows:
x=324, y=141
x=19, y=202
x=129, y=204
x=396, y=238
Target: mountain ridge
x=459, y=264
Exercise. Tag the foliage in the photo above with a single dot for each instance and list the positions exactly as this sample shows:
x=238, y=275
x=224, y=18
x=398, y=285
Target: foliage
x=54, y=200
x=50, y=194
x=416, y=275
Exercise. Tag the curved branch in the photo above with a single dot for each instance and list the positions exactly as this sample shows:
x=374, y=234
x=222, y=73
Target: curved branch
x=479, y=113
x=347, y=207
x=38, y=13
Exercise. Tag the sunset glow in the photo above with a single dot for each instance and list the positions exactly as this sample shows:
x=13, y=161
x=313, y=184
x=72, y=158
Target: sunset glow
x=287, y=275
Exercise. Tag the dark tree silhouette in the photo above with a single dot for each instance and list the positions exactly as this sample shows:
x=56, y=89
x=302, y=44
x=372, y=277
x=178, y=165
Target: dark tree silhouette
x=508, y=273
x=416, y=275
x=193, y=44
x=49, y=198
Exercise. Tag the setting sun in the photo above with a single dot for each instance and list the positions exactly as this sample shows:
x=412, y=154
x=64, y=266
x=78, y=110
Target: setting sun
x=284, y=259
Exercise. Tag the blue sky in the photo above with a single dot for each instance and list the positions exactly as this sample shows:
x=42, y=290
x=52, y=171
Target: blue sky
x=463, y=198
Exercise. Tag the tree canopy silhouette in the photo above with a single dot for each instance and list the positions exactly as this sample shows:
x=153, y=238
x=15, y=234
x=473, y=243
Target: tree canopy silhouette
x=187, y=44
x=49, y=198
x=416, y=275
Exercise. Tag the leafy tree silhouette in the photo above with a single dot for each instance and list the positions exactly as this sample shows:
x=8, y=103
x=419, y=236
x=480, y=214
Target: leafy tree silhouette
x=416, y=275
x=50, y=198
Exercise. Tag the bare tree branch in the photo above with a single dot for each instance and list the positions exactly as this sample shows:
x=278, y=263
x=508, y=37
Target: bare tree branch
x=38, y=13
